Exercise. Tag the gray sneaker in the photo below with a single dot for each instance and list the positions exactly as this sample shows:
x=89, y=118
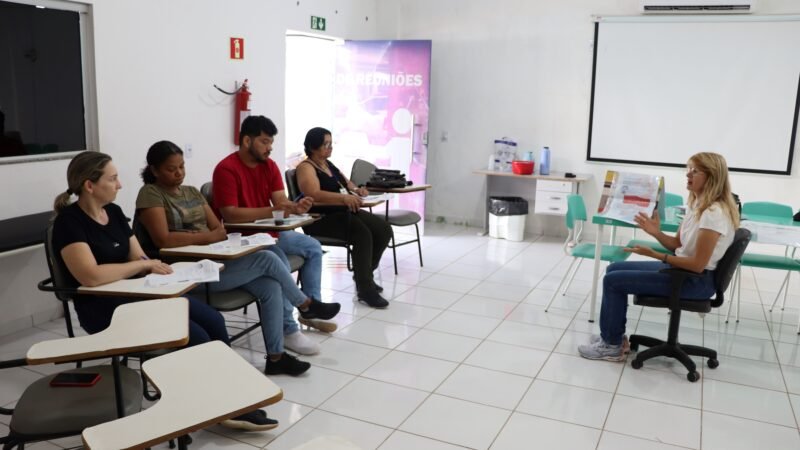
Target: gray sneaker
x=626, y=346
x=601, y=350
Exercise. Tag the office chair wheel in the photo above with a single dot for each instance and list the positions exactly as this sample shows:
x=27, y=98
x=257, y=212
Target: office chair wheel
x=637, y=363
x=693, y=376
x=712, y=363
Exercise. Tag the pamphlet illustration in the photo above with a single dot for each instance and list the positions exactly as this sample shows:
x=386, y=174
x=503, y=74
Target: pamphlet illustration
x=625, y=195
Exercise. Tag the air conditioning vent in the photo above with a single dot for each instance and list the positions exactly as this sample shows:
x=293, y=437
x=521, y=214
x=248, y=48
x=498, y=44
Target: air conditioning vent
x=697, y=6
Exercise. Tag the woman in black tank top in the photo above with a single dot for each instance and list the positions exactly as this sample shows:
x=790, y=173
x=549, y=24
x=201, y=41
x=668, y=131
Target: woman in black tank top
x=340, y=200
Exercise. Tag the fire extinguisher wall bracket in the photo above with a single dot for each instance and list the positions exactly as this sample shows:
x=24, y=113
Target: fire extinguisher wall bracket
x=241, y=110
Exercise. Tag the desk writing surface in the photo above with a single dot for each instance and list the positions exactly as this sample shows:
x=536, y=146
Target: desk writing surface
x=789, y=221
x=200, y=386
x=205, y=251
x=668, y=226
x=135, y=327
x=135, y=287
x=269, y=224
x=402, y=190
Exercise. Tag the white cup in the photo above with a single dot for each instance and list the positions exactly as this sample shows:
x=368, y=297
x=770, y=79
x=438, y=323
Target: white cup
x=235, y=239
x=277, y=214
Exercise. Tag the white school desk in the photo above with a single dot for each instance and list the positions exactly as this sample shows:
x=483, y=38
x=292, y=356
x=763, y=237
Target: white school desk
x=206, y=251
x=402, y=190
x=135, y=327
x=200, y=386
x=543, y=195
x=135, y=287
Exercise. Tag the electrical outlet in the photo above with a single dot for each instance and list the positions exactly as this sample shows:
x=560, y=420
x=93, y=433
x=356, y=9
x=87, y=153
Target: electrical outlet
x=187, y=150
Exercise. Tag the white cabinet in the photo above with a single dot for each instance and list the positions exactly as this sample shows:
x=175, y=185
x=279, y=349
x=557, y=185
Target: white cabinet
x=551, y=196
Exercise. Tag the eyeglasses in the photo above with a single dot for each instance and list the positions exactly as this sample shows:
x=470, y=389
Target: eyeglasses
x=692, y=171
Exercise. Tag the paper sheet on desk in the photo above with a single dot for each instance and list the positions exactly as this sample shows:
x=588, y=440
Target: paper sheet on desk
x=291, y=220
x=253, y=239
x=200, y=272
x=376, y=198
x=767, y=233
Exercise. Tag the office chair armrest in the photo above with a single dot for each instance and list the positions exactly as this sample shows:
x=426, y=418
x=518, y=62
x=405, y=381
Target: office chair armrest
x=47, y=285
x=678, y=276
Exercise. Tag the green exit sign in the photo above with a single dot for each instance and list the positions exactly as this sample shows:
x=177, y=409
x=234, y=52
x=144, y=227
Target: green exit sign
x=317, y=23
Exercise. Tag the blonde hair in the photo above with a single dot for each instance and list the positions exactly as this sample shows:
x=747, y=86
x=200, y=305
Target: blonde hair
x=717, y=188
x=84, y=166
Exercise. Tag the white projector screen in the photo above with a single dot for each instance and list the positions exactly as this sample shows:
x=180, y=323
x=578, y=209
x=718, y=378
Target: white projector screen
x=665, y=88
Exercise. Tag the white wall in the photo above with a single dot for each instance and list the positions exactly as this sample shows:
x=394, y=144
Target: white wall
x=522, y=68
x=155, y=63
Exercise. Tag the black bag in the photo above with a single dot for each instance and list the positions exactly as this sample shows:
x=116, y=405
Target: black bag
x=387, y=179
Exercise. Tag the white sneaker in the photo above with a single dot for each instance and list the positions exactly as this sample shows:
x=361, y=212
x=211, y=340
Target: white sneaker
x=299, y=343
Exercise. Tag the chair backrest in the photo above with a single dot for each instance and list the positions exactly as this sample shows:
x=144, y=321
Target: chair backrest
x=767, y=209
x=207, y=190
x=576, y=210
x=291, y=184
x=726, y=266
x=361, y=172
x=145, y=241
x=672, y=200
x=58, y=270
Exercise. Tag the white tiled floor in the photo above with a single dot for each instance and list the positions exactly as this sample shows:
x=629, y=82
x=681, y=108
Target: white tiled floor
x=466, y=357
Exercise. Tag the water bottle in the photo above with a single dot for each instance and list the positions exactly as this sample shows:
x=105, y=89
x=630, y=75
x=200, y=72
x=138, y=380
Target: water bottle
x=491, y=165
x=544, y=161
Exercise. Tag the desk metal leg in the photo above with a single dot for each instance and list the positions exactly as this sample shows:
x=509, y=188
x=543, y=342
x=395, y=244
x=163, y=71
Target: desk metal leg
x=598, y=245
x=487, y=189
x=118, y=387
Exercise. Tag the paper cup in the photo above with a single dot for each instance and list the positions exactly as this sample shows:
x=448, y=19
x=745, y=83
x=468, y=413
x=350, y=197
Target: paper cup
x=235, y=239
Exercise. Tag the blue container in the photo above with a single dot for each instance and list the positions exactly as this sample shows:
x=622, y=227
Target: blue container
x=544, y=161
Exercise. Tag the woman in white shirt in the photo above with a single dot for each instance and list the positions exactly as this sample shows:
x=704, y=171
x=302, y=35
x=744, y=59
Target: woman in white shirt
x=703, y=237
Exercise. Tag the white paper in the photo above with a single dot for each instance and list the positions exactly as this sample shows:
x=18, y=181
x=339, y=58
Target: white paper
x=200, y=272
x=376, y=198
x=767, y=233
x=246, y=241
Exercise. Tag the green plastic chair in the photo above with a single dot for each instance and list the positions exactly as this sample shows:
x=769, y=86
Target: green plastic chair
x=576, y=217
x=670, y=200
x=786, y=262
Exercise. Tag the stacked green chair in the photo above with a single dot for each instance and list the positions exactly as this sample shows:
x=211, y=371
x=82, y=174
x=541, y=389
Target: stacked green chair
x=766, y=211
x=670, y=200
x=575, y=219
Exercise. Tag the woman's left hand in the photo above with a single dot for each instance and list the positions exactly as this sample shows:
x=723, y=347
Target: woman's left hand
x=640, y=250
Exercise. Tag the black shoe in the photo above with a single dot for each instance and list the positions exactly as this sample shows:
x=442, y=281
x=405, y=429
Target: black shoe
x=320, y=310
x=377, y=286
x=288, y=365
x=253, y=421
x=372, y=298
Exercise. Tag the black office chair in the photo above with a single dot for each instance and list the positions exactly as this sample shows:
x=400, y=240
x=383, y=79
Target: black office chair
x=359, y=175
x=294, y=193
x=671, y=348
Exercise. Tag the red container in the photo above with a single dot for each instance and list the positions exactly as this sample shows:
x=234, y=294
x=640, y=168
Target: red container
x=522, y=167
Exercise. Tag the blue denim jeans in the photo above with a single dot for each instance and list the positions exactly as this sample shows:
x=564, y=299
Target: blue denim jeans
x=294, y=243
x=640, y=277
x=205, y=324
x=265, y=276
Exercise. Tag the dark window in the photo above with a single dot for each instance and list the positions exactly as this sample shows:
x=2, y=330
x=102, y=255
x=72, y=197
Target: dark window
x=41, y=81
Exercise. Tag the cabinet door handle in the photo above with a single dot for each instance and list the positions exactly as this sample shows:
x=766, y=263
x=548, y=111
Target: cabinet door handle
x=555, y=198
x=553, y=208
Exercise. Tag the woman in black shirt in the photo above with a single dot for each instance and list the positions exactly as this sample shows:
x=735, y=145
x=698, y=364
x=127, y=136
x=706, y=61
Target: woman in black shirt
x=318, y=178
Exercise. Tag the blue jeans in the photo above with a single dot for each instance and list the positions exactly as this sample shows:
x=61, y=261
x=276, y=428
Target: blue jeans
x=205, y=324
x=640, y=277
x=265, y=276
x=294, y=243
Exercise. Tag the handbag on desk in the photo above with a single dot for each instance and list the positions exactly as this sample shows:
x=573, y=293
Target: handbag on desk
x=386, y=179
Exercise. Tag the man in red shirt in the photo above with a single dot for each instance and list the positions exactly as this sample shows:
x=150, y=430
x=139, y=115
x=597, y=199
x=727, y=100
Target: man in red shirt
x=247, y=186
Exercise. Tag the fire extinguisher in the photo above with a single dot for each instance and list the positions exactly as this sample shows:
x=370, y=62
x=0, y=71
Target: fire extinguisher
x=241, y=110
x=241, y=107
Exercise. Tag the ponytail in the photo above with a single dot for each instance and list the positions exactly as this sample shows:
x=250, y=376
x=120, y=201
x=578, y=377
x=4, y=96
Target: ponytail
x=62, y=201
